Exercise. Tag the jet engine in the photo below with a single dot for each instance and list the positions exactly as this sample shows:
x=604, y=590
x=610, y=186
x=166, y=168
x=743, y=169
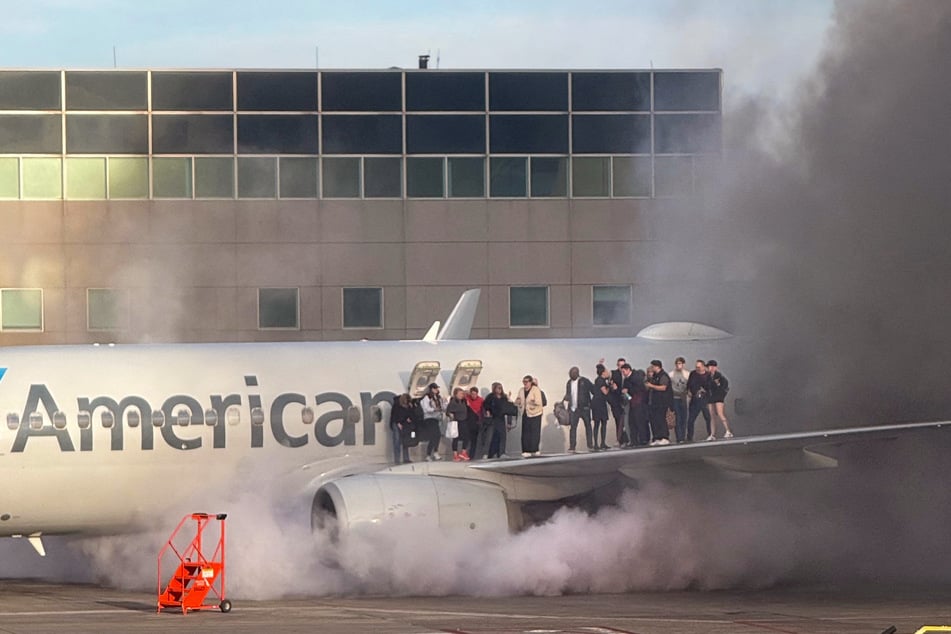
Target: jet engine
x=362, y=503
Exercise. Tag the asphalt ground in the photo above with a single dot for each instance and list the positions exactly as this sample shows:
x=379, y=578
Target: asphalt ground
x=29, y=606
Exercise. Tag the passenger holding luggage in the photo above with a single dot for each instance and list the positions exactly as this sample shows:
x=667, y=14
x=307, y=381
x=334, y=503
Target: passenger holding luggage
x=531, y=405
x=433, y=411
x=577, y=401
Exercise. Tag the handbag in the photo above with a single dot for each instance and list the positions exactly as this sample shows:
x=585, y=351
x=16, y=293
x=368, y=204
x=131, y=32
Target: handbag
x=452, y=429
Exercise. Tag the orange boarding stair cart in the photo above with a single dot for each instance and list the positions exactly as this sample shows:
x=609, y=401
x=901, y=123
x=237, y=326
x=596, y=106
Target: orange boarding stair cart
x=198, y=582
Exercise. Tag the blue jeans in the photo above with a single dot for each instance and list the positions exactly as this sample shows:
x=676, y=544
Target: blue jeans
x=680, y=413
x=398, y=445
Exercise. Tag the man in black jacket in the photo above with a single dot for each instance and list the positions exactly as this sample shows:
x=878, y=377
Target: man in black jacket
x=660, y=400
x=578, y=391
x=618, y=404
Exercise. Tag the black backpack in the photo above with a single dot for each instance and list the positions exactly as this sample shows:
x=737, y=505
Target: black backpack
x=544, y=398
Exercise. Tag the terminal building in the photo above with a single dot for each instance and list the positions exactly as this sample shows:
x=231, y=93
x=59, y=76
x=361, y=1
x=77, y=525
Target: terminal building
x=262, y=205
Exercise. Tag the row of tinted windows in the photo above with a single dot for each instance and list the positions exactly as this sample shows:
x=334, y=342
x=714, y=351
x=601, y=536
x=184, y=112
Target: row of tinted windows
x=107, y=309
x=371, y=91
x=100, y=178
x=361, y=134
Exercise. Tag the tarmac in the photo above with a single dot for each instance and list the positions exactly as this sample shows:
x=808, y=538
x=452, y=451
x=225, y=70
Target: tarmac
x=30, y=606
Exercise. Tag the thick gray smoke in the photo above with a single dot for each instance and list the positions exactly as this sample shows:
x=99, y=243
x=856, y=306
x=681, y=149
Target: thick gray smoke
x=860, y=523
x=833, y=222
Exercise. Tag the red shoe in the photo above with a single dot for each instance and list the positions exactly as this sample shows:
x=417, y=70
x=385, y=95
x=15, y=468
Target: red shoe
x=464, y=455
x=456, y=457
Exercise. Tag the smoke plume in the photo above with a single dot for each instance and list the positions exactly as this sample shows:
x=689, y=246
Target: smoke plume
x=831, y=223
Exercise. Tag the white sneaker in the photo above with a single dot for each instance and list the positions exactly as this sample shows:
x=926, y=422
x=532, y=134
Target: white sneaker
x=729, y=434
x=536, y=453
x=525, y=454
x=654, y=443
x=663, y=441
x=429, y=458
x=711, y=437
x=437, y=457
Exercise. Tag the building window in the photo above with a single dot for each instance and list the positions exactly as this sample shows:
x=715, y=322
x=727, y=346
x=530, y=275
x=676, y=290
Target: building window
x=611, y=305
x=382, y=177
x=298, y=177
x=21, y=309
x=278, y=308
x=549, y=177
x=9, y=178
x=507, y=177
x=85, y=178
x=466, y=177
x=172, y=177
x=590, y=176
x=424, y=177
x=129, y=177
x=214, y=177
x=106, y=309
x=341, y=177
x=42, y=178
x=528, y=306
x=257, y=177
x=363, y=308
x=632, y=176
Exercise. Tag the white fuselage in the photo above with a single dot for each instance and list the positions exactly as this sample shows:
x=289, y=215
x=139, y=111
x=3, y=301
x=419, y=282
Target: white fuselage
x=101, y=478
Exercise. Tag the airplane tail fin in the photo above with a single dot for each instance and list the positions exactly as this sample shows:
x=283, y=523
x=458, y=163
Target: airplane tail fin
x=433, y=333
x=459, y=323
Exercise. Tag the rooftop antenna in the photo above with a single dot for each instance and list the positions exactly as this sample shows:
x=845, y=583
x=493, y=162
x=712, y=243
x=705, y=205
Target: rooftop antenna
x=114, y=61
x=316, y=57
x=437, y=59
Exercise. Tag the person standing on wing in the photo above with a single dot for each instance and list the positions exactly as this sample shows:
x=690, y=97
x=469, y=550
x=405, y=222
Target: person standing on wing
x=530, y=404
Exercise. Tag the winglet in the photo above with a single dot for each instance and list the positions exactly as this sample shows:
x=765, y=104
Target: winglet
x=459, y=323
x=36, y=541
x=433, y=332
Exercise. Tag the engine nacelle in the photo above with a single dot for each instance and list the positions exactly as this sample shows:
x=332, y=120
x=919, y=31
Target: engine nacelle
x=362, y=503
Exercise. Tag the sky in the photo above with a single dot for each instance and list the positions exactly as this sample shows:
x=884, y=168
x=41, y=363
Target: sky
x=763, y=46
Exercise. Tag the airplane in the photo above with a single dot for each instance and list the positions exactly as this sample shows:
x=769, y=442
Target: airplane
x=106, y=439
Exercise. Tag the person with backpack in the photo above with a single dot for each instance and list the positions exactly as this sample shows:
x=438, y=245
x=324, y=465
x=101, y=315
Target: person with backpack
x=531, y=403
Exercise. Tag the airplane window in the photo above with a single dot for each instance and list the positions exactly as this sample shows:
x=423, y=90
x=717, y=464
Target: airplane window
x=36, y=420
x=257, y=416
x=158, y=418
x=133, y=418
x=59, y=420
x=183, y=417
x=233, y=416
x=353, y=415
x=307, y=415
x=211, y=417
x=108, y=419
x=84, y=420
x=13, y=421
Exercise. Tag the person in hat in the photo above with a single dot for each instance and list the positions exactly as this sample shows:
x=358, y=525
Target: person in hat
x=659, y=400
x=719, y=386
x=434, y=408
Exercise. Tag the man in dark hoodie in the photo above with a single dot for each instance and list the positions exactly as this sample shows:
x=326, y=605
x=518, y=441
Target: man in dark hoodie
x=402, y=426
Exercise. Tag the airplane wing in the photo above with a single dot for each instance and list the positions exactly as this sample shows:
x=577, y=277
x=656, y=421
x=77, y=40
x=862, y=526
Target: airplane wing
x=776, y=453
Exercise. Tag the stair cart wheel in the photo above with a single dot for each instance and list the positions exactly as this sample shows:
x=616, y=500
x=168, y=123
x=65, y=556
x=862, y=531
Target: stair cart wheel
x=225, y=606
